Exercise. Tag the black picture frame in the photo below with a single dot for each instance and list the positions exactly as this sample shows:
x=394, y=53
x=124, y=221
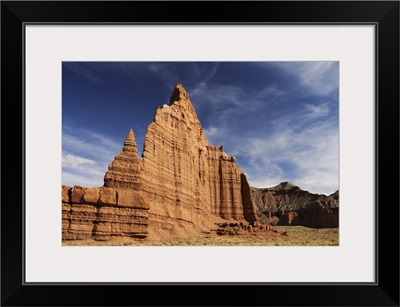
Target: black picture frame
x=383, y=14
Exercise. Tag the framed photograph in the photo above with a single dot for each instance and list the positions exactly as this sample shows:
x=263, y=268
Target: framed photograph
x=240, y=155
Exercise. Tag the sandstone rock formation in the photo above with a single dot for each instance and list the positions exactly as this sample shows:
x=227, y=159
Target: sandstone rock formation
x=287, y=204
x=179, y=187
x=103, y=213
x=124, y=171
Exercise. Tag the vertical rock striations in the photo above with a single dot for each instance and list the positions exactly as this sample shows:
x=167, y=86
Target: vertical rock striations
x=186, y=180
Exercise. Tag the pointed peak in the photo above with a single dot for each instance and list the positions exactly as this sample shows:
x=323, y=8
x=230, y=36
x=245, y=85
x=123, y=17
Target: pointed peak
x=130, y=137
x=130, y=144
x=180, y=101
x=178, y=94
x=286, y=185
x=123, y=172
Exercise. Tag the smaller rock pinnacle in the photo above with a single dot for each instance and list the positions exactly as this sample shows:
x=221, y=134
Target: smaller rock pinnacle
x=130, y=137
x=130, y=144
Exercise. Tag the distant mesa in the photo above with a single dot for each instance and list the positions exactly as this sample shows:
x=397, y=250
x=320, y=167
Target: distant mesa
x=180, y=187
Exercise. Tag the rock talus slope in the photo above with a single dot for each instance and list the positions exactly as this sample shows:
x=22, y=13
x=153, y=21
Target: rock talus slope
x=184, y=184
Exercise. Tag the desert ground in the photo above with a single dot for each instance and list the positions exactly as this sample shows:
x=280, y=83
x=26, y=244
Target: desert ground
x=284, y=236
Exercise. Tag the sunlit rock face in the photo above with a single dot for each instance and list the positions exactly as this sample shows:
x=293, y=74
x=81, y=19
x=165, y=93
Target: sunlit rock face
x=124, y=171
x=186, y=184
x=103, y=213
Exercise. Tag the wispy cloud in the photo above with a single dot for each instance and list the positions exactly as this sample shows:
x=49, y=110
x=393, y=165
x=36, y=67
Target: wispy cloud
x=72, y=161
x=218, y=95
x=316, y=110
x=320, y=78
x=208, y=74
x=71, y=178
x=308, y=157
x=88, y=143
x=224, y=102
x=86, y=155
x=301, y=147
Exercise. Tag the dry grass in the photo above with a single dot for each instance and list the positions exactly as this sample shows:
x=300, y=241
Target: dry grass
x=297, y=236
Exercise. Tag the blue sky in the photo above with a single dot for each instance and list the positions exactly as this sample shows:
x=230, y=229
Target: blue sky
x=279, y=119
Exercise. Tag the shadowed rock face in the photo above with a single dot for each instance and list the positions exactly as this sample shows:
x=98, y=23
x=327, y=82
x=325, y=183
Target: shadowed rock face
x=187, y=184
x=287, y=196
x=294, y=206
x=314, y=215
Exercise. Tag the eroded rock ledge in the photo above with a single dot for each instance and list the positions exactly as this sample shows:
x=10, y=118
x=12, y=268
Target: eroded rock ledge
x=103, y=213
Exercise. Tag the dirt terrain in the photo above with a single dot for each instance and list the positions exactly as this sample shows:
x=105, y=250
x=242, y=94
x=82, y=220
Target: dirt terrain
x=284, y=236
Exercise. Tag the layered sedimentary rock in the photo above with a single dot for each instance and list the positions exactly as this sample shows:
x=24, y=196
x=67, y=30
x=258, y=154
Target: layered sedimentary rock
x=187, y=184
x=287, y=204
x=103, y=213
x=124, y=171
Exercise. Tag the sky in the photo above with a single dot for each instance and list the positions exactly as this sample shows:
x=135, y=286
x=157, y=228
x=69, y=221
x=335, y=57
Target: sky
x=279, y=119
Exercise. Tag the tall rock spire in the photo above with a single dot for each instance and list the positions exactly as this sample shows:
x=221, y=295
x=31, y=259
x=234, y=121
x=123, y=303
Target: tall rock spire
x=184, y=176
x=124, y=171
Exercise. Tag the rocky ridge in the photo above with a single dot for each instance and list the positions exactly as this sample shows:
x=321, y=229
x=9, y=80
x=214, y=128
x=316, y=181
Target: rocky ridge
x=287, y=204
